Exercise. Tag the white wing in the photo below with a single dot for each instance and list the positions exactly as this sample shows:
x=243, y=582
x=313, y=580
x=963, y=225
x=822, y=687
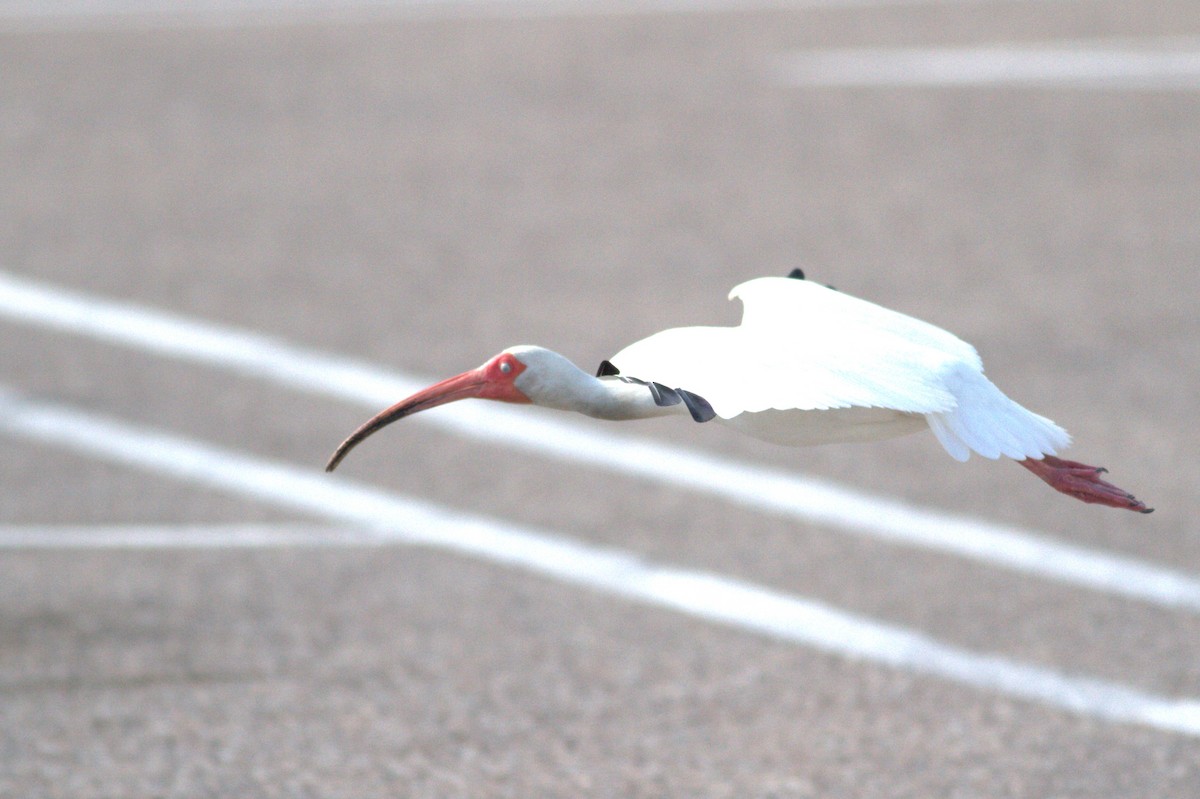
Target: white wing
x=802, y=346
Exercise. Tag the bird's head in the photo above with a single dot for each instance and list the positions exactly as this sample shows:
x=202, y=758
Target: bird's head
x=521, y=374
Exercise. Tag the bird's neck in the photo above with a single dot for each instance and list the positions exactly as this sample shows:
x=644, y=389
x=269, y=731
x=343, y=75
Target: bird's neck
x=572, y=389
x=617, y=400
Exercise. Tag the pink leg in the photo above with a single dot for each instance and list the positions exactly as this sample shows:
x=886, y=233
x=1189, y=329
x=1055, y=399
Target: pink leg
x=1083, y=482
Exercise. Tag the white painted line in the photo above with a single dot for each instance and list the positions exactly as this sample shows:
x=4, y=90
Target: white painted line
x=40, y=15
x=600, y=445
x=186, y=536
x=1059, y=66
x=702, y=595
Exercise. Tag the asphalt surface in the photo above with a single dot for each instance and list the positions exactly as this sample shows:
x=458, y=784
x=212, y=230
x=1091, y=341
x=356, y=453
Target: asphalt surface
x=419, y=191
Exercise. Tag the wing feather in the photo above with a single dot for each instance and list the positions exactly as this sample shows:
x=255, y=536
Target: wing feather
x=803, y=346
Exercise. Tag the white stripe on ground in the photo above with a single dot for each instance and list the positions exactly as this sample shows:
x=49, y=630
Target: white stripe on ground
x=579, y=441
x=34, y=15
x=706, y=596
x=1064, y=65
x=183, y=536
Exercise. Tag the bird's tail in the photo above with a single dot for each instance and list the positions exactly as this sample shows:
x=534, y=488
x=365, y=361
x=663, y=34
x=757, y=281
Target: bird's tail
x=989, y=423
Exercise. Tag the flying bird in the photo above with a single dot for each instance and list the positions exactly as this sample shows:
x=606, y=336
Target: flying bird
x=807, y=365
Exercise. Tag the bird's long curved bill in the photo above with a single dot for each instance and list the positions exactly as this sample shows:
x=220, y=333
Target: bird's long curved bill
x=464, y=386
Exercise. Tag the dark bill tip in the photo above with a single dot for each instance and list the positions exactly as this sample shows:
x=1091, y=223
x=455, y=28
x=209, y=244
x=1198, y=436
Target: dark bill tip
x=382, y=419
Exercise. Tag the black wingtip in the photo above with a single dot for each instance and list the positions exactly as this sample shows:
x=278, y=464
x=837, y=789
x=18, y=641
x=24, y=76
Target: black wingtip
x=798, y=274
x=697, y=406
x=664, y=396
x=607, y=369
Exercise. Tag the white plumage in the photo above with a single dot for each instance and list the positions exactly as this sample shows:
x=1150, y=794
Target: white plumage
x=819, y=366
x=807, y=365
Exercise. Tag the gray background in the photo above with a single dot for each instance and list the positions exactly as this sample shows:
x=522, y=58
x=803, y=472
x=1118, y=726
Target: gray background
x=423, y=189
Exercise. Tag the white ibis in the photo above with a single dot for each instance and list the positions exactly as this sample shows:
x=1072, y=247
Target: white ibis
x=807, y=365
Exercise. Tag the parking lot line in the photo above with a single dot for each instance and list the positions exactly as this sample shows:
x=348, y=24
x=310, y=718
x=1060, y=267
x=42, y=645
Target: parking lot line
x=1081, y=65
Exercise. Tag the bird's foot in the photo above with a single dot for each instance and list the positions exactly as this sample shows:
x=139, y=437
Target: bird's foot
x=1083, y=482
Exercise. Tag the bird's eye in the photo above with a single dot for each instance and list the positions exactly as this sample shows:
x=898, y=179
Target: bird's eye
x=505, y=367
